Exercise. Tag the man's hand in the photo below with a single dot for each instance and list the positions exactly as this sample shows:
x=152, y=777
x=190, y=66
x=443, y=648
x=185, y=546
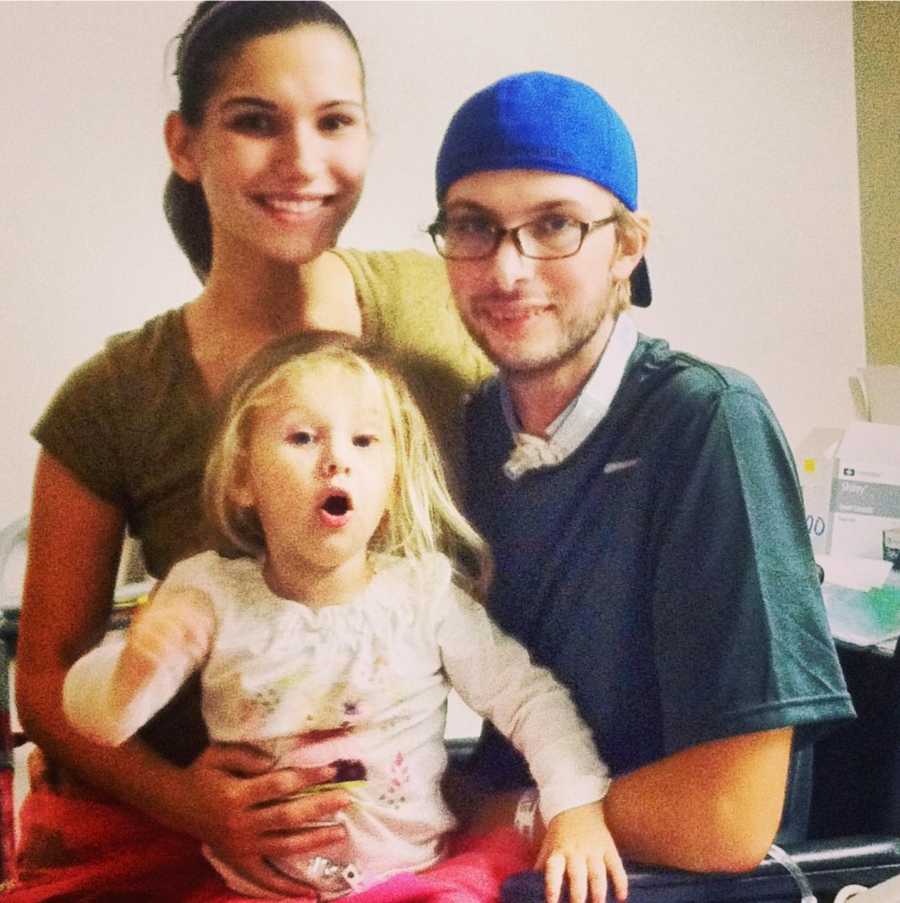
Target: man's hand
x=579, y=848
x=246, y=813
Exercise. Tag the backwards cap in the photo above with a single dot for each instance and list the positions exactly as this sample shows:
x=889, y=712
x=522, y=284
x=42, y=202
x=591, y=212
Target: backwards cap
x=547, y=122
x=538, y=120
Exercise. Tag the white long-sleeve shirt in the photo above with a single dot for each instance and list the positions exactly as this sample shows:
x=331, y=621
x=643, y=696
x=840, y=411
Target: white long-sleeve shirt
x=365, y=681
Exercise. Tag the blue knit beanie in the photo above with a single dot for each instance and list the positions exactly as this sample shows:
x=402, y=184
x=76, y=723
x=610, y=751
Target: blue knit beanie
x=538, y=120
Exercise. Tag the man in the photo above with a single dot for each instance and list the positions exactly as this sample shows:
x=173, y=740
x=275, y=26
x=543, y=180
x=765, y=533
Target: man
x=642, y=504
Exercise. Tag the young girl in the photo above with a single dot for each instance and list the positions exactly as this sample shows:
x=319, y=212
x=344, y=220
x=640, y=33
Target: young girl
x=333, y=639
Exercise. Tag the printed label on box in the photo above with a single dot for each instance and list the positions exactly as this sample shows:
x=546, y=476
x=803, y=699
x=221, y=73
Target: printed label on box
x=876, y=499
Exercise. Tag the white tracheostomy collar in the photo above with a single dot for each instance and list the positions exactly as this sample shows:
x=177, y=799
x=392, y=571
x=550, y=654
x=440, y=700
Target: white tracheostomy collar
x=579, y=419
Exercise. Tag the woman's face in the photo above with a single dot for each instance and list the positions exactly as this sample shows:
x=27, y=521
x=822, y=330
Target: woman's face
x=282, y=149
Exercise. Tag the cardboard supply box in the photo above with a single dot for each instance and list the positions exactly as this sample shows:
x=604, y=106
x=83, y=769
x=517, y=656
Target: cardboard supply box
x=817, y=464
x=851, y=489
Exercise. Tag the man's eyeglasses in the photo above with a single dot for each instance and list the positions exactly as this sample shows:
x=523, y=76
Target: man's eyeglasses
x=472, y=237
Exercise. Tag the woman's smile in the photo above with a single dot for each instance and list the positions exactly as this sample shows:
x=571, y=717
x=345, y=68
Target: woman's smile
x=293, y=208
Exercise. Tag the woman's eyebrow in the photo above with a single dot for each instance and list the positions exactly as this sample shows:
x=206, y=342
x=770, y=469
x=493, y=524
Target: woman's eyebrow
x=247, y=102
x=252, y=101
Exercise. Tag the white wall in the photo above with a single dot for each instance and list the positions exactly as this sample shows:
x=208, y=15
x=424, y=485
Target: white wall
x=743, y=115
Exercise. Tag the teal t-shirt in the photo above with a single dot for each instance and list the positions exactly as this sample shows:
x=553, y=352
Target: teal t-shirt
x=663, y=571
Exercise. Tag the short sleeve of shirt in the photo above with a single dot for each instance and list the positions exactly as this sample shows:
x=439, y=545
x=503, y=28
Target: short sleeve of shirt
x=407, y=307
x=133, y=425
x=408, y=311
x=78, y=429
x=741, y=639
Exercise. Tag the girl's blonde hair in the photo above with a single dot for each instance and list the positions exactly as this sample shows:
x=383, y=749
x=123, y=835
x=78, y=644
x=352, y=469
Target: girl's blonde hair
x=629, y=228
x=421, y=516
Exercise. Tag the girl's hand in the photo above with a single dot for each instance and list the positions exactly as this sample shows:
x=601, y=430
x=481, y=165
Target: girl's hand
x=579, y=847
x=171, y=627
x=248, y=813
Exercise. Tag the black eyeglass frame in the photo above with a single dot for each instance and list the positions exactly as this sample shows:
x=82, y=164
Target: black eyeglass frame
x=435, y=230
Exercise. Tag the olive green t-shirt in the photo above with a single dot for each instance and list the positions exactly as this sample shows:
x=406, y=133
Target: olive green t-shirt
x=135, y=422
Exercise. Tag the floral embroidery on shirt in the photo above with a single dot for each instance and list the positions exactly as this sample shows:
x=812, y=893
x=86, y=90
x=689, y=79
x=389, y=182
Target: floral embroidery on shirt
x=289, y=681
x=268, y=699
x=256, y=707
x=394, y=795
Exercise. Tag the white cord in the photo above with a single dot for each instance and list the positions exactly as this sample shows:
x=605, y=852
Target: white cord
x=782, y=857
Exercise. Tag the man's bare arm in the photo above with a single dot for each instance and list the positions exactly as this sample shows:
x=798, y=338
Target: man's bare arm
x=714, y=807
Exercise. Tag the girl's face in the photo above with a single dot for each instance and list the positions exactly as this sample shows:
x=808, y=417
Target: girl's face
x=282, y=149
x=320, y=469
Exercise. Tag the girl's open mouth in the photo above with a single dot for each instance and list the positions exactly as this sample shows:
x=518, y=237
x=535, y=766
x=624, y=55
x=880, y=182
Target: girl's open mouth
x=335, y=510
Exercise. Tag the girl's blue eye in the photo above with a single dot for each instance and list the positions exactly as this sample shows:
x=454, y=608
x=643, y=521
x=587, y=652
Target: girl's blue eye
x=364, y=441
x=301, y=437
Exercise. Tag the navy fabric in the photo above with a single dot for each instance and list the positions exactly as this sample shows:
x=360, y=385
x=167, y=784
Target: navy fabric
x=664, y=570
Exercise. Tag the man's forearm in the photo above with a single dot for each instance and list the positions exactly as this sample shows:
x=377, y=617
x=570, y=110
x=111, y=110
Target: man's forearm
x=711, y=808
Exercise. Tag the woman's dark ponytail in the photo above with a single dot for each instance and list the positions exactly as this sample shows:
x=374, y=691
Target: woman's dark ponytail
x=188, y=218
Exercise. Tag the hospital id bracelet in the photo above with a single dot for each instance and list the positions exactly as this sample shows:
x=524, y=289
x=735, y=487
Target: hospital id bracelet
x=526, y=813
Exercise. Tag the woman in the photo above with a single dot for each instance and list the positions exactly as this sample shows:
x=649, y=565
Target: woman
x=268, y=148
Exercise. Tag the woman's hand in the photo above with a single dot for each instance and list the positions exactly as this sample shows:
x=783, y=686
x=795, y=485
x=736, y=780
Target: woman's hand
x=579, y=848
x=248, y=813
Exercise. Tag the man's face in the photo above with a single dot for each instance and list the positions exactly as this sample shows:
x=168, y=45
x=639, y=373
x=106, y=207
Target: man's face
x=536, y=316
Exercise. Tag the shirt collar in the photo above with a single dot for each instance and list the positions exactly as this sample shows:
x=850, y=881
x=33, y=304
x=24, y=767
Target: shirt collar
x=579, y=419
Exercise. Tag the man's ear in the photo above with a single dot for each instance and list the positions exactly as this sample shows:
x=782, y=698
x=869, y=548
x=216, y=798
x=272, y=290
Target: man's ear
x=181, y=144
x=631, y=246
